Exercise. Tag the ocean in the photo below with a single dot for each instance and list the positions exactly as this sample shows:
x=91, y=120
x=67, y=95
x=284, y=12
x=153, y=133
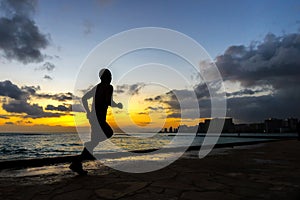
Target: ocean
x=40, y=145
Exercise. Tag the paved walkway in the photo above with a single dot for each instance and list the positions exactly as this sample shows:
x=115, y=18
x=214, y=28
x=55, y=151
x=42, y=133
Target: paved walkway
x=270, y=171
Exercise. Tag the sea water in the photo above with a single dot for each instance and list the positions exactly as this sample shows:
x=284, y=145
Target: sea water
x=40, y=145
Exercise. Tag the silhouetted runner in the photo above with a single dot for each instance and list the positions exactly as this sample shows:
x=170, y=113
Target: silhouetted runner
x=100, y=129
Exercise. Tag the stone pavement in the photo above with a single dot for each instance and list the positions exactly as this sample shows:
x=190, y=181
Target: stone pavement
x=269, y=171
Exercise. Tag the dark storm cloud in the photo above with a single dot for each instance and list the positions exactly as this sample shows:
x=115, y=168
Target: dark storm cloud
x=268, y=72
x=18, y=101
x=20, y=37
x=273, y=63
x=256, y=109
x=31, y=110
x=8, y=89
x=31, y=89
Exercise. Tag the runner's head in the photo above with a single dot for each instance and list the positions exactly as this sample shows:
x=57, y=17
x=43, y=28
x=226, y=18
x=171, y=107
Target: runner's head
x=105, y=75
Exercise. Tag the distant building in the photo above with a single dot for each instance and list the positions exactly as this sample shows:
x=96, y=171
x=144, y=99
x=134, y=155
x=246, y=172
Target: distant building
x=292, y=124
x=257, y=128
x=201, y=128
x=242, y=128
x=187, y=129
x=250, y=128
x=273, y=125
x=228, y=126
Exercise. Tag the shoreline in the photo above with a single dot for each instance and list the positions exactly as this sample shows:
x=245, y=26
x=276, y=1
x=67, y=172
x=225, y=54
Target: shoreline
x=266, y=171
x=39, y=162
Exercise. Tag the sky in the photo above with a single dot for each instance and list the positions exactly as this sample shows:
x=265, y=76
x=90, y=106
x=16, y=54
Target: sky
x=43, y=44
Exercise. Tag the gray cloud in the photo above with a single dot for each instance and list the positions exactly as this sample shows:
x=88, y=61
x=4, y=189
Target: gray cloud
x=175, y=115
x=48, y=77
x=30, y=89
x=48, y=66
x=256, y=109
x=32, y=110
x=66, y=108
x=274, y=62
x=132, y=89
x=8, y=89
x=20, y=37
x=268, y=73
x=61, y=108
x=245, y=92
x=58, y=97
x=272, y=65
x=88, y=27
x=19, y=97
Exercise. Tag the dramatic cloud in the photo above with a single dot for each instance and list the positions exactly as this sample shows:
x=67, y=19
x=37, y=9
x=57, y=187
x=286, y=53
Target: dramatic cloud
x=257, y=109
x=32, y=110
x=272, y=65
x=268, y=73
x=8, y=89
x=20, y=37
x=31, y=89
x=11, y=90
x=178, y=102
x=274, y=62
x=19, y=97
